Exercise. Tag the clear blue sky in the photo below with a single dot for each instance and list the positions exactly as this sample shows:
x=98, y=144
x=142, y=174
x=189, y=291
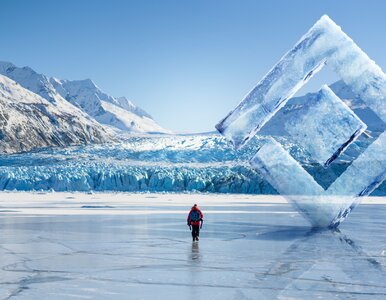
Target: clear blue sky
x=188, y=63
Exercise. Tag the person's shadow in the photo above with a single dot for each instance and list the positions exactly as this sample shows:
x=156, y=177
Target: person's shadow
x=321, y=261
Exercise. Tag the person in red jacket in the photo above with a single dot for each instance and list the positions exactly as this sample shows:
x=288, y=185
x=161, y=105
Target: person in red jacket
x=195, y=219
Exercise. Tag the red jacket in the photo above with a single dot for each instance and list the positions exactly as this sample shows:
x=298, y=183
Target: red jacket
x=195, y=223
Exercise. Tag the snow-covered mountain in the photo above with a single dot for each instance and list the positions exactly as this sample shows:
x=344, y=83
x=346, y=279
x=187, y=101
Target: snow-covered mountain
x=196, y=162
x=29, y=121
x=119, y=113
x=31, y=80
x=202, y=162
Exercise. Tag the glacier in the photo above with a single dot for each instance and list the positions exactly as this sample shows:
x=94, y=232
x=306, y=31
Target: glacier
x=147, y=163
x=180, y=163
x=159, y=163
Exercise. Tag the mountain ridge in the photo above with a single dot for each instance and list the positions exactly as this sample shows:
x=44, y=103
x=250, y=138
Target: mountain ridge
x=117, y=113
x=29, y=121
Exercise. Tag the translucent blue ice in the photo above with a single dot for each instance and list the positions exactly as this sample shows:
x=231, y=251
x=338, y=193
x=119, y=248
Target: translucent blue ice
x=324, y=126
x=324, y=43
x=321, y=207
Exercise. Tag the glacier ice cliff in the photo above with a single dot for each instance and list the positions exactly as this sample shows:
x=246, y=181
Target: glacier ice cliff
x=173, y=163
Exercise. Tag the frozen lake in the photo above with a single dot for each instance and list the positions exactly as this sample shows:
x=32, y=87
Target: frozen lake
x=137, y=246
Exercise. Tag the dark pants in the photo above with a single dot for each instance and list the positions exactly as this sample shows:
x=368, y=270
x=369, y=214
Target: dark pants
x=195, y=231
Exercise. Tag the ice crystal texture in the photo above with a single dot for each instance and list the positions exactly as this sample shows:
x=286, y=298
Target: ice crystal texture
x=324, y=126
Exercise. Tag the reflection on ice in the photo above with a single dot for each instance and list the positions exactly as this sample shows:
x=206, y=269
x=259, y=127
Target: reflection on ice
x=195, y=251
x=252, y=247
x=326, y=257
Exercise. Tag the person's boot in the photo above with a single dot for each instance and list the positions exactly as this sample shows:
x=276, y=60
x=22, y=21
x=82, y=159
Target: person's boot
x=196, y=238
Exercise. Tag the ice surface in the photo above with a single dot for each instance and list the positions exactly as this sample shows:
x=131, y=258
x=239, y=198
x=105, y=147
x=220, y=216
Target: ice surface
x=324, y=126
x=251, y=247
x=324, y=43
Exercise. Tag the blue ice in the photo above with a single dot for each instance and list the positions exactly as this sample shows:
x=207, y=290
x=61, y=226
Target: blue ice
x=324, y=43
x=323, y=208
x=324, y=127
